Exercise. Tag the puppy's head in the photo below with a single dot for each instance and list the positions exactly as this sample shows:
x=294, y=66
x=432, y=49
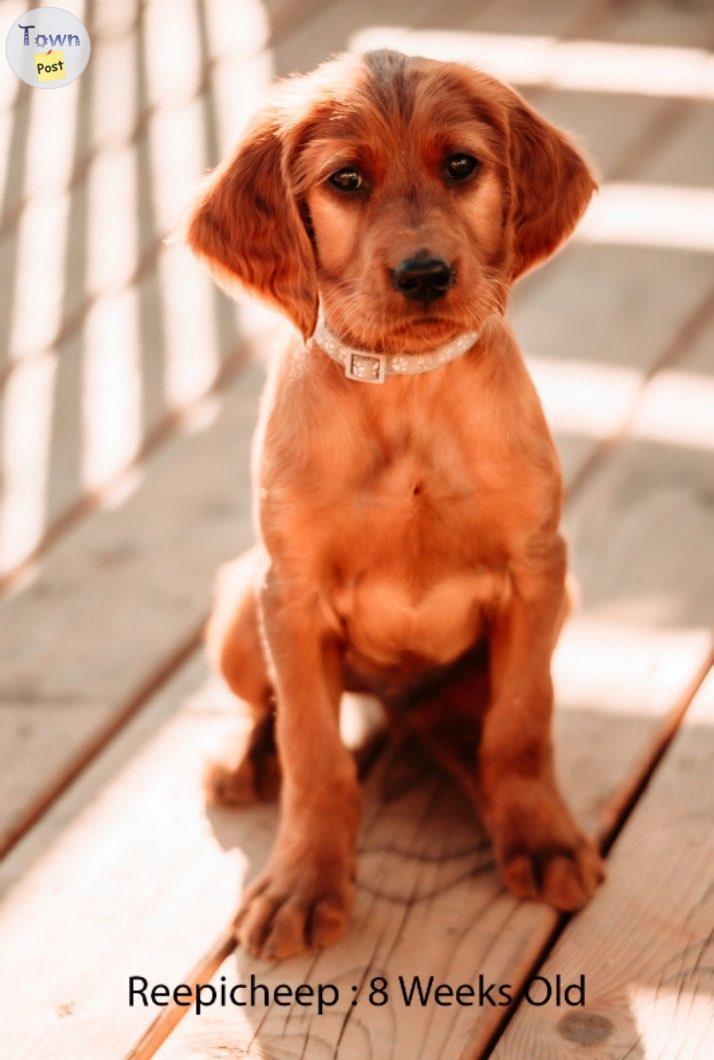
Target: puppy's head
x=405, y=194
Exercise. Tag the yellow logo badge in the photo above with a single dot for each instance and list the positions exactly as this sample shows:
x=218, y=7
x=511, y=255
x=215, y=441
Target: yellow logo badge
x=50, y=65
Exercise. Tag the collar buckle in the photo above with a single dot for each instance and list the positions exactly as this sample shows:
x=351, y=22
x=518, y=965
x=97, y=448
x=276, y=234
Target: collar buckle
x=366, y=367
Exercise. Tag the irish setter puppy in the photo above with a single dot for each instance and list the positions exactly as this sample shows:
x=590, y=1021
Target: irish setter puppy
x=408, y=492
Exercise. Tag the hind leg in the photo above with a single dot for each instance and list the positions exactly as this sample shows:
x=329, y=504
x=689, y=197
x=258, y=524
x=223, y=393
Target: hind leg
x=251, y=771
x=447, y=719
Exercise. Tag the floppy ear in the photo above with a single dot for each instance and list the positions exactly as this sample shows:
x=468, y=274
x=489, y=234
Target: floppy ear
x=551, y=185
x=247, y=226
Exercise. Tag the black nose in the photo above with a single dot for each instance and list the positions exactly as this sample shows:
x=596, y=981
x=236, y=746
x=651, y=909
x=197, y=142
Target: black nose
x=423, y=279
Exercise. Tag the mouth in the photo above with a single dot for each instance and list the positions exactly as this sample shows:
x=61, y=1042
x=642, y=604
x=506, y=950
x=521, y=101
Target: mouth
x=425, y=322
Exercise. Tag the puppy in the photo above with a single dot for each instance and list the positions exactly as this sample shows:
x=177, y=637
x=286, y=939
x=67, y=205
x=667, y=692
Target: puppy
x=408, y=492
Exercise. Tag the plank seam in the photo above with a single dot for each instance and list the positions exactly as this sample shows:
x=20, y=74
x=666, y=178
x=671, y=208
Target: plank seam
x=88, y=754
x=162, y=1025
x=609, y=834
x=651, y=759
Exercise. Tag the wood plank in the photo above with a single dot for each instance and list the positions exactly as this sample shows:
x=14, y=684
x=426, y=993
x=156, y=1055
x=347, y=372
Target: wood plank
x=608, y=128
x=126, y=875
x=596, y=53
x=688, y=159
x=588, y=403
x=102, y=397
x=625, y=515
x=672, y=25
x=428, y=900
x=117, y=599
x=429, y=904
x=644, y=944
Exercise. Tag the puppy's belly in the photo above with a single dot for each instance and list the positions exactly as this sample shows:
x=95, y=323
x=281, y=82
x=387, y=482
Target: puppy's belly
x=387, y=624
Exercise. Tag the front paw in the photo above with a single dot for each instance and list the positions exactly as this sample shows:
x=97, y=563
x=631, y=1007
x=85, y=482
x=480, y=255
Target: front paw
x=298, y=903
x=539, y=849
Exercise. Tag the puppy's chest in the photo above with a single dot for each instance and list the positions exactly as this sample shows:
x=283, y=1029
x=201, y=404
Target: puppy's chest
x=423, y=481
x=415, y=564
x=418, y=496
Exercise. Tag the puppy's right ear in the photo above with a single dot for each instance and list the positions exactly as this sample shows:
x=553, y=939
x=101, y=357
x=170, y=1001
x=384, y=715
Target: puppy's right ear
x=247, y=226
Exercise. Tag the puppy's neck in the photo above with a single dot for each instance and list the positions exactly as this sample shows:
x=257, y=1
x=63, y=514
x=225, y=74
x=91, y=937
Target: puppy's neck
x=368, y=366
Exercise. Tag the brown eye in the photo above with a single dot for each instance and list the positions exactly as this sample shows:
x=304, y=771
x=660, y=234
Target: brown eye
x=460, y=166
x=347, y=179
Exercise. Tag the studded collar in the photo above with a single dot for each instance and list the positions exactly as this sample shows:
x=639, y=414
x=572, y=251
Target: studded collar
x=365, y=366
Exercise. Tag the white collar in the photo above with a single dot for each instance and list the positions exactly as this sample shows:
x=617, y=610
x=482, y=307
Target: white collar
x=364, y=366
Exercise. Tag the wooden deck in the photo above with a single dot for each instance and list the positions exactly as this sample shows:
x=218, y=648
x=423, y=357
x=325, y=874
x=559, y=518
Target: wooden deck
x=129, y=393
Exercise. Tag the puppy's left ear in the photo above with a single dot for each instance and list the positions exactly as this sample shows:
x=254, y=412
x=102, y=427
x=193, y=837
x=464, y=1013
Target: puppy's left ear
x=551, y=184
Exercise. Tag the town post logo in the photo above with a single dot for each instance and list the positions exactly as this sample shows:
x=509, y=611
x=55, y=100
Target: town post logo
x=48, y=47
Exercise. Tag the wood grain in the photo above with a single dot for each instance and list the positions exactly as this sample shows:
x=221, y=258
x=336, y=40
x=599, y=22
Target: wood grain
x=644, y=945
x=126, y=875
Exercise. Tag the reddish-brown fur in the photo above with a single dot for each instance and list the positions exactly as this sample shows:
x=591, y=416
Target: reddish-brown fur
x=408, y=532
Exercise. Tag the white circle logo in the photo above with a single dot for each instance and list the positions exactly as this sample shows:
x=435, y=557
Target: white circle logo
x=48, y=47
